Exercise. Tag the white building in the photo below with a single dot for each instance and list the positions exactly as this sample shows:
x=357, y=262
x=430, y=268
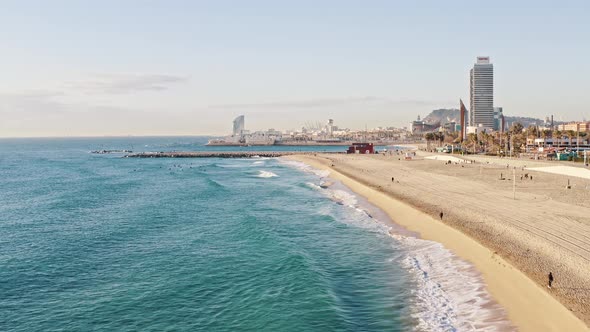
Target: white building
x=238, y=126
x=269, y=137
x=482, y=93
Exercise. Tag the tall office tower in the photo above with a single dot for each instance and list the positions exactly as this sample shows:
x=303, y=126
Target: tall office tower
x=482, y=93
x=238, y=125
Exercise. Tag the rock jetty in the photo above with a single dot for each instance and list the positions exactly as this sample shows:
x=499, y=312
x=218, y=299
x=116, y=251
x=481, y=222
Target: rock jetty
x=218, y=154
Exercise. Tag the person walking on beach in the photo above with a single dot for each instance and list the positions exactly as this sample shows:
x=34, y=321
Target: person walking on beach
x=441, y=215
x=392, y=179
x=550, y=279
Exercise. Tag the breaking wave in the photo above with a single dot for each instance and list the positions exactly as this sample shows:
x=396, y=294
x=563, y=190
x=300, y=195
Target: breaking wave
x=266, y=174
x=450, y=294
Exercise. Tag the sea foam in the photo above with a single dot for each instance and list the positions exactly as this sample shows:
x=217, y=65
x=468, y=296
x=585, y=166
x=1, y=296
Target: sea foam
x=450, y=294
x=266, y=174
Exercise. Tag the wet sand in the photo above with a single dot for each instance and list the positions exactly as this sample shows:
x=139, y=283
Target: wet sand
x=514, y=243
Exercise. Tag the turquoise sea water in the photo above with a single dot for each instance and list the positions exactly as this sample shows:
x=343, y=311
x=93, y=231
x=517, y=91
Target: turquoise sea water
x=99, y=242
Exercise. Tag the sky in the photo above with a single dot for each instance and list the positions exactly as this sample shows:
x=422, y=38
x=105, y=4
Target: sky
x=105, y=68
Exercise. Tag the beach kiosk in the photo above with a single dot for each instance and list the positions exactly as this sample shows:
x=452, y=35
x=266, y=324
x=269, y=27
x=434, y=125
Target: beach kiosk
x=361, y=148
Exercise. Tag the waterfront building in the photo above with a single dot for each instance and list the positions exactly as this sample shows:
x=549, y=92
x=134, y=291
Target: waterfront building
x=330, y=128
x=482, y=93
x=239, y=125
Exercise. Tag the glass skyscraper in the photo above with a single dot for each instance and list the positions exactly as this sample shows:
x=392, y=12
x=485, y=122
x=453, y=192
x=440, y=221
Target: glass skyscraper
x=482, y=93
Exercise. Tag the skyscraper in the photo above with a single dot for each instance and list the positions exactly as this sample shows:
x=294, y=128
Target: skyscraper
x=482, y=93
x=238, y=125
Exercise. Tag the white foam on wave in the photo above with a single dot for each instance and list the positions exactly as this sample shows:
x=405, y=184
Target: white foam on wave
x=266, y=174
x=313, y=186
x=342, y=197
x=450, y=294
x=244, y=163
x=305, y=168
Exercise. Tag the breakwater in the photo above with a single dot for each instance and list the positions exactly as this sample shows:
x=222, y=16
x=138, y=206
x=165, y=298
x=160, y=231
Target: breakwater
x=219, y=154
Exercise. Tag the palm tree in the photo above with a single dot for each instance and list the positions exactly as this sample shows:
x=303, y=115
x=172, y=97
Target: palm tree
x=544, y=135
x=571, y=134
x=531, y=131
x=429, y=137
x=484, y=138
x=557, y=135
x=441, y=138
x=492, y=143
x=516, y=128
x=472, y=140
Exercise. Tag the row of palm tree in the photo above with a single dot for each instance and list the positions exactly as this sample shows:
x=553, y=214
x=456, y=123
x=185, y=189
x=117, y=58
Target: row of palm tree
x=513, y=140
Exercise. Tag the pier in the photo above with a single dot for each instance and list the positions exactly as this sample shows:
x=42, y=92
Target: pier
x=221, y=154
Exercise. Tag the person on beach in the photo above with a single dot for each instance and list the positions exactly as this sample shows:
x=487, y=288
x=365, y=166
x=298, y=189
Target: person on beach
x=392, y=179
x=550, y=279
x=441, y=215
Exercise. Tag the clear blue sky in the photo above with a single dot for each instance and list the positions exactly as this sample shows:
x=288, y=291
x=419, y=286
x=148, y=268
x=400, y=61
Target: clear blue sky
x=189, y=67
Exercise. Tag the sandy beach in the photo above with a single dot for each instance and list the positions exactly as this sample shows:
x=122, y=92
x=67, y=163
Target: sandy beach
x=514, y=240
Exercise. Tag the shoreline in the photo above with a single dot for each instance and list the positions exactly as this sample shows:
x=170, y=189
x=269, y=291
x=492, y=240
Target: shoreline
x=430, y=265
x=529, y=307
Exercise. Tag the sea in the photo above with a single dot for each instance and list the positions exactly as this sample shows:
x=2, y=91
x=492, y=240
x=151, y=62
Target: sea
x=97, y=242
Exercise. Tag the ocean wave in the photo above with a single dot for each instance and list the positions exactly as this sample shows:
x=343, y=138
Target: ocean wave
x=342, y=197
x=313, y=186
x=305, y=168
x=450, y=294
x=233, y=165
x=214, y=183
x=242, y=164
x=266, y=174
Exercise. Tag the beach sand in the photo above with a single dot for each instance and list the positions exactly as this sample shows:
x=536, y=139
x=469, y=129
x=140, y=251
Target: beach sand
x=513, y=243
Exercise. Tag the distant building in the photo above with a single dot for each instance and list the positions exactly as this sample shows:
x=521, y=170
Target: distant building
x=449, y=127
x=582, y=127
x=420, y=127
x=330, y=128
x=268, y=137
x=481, y=111
x=498, y=118
x=478, y=129
x=238, y=125
x=241, y=136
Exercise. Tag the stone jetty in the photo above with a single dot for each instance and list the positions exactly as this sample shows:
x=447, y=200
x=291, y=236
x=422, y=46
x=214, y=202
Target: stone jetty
x=219, y=154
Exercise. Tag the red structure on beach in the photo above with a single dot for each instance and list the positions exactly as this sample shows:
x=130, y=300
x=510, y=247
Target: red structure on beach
x=364, y=148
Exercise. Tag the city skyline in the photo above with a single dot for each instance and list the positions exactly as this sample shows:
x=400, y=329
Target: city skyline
x=110, y=68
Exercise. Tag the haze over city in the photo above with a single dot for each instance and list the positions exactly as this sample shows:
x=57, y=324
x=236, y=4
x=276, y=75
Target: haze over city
x=184, y=68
